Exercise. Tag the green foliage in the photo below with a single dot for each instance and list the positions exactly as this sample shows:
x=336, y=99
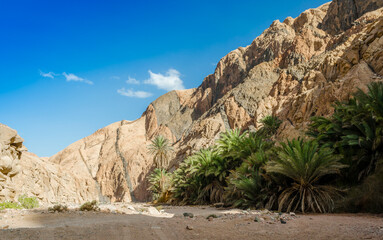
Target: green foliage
x=247, y=169
x=249, y=191
x=355, y=131
x=304, y=165
x=270, y=125
x=201, y=178
x=90, y=206
x=160, y=185
x=23, y=202
x=28, y=202
x=224, y=172
x=229, y=144
x=249, y=185
x=185, y=188
x=160, y=149
x=11, y=205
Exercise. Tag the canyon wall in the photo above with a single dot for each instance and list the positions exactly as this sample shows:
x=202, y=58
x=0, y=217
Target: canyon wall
x=295, y=69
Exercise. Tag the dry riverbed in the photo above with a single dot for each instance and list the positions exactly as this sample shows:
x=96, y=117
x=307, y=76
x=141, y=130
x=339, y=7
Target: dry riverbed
x=142, y=221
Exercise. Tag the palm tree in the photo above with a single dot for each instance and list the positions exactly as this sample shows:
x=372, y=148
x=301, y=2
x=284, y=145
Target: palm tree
x=186, y=187
x=372, y=101
x=200, y=179
x=355, y=130
x=212, y=170
x=249, y=185
x=252, y=143
x=366, y=116
x=228, y=143
x=209, y=172
x=304, y=165
x=270, y=125
x=228, y=146
x=246, y=191
x=160, y=185
x=160, y=149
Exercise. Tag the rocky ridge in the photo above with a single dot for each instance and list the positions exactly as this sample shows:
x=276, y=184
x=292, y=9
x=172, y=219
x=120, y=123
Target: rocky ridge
x=295, y=69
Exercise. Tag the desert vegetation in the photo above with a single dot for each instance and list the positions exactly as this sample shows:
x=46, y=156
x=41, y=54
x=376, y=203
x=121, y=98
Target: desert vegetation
x=160, y=149
x=336, y=166
x=23, y=202
x=58, y=208
x=89, y=206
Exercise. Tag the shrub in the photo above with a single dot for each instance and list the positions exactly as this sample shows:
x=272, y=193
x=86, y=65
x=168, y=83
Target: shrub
x=303, y=165
x=11, y=205
x=89, y=206
x=58, y=208
x=28, y=202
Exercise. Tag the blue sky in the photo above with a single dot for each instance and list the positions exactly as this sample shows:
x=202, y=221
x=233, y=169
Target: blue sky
x=68, y=68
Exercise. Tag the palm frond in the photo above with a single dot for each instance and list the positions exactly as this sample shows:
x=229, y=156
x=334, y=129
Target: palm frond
x=305, y=164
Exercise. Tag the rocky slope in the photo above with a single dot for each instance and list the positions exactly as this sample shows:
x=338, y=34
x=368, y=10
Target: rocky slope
x=295, y=69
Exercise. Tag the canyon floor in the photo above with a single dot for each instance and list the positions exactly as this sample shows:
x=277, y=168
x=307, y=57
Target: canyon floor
x=143, y=221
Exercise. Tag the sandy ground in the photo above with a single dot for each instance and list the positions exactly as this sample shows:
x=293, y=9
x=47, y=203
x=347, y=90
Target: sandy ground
x=146, y=222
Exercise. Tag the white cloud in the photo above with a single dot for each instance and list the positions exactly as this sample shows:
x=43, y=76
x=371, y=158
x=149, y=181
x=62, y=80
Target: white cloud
x=48, y=75
x=131, y=93
x=170, y=81
x=132, y=81
x=71, y=77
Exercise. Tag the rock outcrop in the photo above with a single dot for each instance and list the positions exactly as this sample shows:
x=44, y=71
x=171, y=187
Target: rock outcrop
x=342, y=14
x=295, y=69
x=11, y=148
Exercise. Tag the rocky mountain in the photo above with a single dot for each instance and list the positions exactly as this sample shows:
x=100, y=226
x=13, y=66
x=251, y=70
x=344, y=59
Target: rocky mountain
x=295, y=70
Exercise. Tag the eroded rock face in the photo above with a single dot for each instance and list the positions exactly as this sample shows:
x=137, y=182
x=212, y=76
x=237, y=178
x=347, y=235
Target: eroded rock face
x=342, y=14
x=295, y=69
x=11, y=148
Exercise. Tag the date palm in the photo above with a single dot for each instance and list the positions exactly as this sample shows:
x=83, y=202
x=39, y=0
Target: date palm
x=270, y=125
x=160, y=185
x=248, y=185
x=200, y=179
x=212, y=169
x=355, y=130
x=229, y=147
x=160, y=149
x=304, y=165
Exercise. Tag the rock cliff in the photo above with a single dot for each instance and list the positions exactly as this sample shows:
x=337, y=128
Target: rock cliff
x=295, y=69
x=11, y=148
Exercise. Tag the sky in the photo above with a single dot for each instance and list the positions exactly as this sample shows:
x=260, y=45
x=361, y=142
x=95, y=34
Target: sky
x=69, y=68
